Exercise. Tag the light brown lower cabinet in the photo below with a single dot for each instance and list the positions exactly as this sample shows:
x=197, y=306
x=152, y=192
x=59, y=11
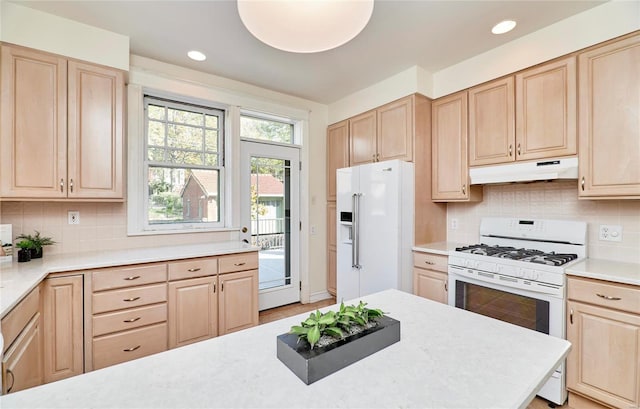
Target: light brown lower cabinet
x=603, y=326
x=127, y=345
x=430, y=276
x=238, y=301
x=22, y=362
x=63, y=327
x=193, y=310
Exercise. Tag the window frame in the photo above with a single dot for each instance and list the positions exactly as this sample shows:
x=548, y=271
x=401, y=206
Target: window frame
x=142, y=226
x=296, y=126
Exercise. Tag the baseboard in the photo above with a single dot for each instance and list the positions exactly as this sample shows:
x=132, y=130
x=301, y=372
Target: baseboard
x=579, y=402
x=319, y=296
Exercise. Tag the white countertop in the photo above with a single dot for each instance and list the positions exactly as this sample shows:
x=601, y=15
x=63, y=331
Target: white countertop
x=446, y=358
x=17, y=279
x=439, y=247
x=615, y=271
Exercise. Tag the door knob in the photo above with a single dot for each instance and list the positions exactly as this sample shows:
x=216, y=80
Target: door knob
x=245, y=241
x=244, y=229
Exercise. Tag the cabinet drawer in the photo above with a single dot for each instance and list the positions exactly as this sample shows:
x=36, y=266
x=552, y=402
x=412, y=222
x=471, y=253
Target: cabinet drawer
x=618, y=296
x=112, y=278
x=129, y=319
x=179, y=270
x=238, y=262
x=15, y=321
x=129, y=297
x=430, y=261
x=128, y=345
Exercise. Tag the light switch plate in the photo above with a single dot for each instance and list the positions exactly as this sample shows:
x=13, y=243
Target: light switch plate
x=609, y=232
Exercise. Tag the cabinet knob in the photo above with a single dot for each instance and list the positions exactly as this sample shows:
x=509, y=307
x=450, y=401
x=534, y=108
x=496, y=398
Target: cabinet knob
x=464, y=189
x=510, y=150
x=13, y=379
x=193, y=270
x=239, y=264
x=71, y=185
x=429, y=262
x=519, y=153
x=61, y=185
x=131, y=349
x=132, y=278
x=582, y=183
x=132, y=320
x=571, y=315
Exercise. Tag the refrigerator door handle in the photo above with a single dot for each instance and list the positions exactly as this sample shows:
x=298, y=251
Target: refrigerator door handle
x=355, y=234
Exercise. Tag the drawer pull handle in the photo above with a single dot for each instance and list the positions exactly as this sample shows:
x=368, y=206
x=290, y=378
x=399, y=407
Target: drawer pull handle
x=431, y=263
x=132, y=319
x=131, y=349
x=571, y=315
x=131, y=299
x=608, y=297
x=214, y=288
x=132, y=278
x=239, y=264
x=192, y=270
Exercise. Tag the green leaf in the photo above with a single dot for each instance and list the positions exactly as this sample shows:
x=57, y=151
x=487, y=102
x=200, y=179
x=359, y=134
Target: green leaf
x=334, y=331
x=327, y=319
x=310, y=322
x=313, y=336
x=360, y=321
x=298, y=330
x=349, y=314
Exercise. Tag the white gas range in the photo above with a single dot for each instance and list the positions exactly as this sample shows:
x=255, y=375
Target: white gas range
x=516, y=274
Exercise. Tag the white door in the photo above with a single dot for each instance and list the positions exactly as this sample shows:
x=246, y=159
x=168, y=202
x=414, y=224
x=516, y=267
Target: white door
x=270, y=208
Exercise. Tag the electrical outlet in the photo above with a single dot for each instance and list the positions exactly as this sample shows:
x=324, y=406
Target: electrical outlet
x=454, y=224
x=74, y=217
x=313, y=230
x=610, y=232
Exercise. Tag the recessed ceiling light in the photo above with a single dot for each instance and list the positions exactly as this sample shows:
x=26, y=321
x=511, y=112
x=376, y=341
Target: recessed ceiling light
x=305, y=26
x=503, y=27
x=196, y=55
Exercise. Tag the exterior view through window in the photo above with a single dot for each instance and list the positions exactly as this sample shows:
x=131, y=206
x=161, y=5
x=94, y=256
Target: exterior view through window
x=266, y=129
x=183, y=164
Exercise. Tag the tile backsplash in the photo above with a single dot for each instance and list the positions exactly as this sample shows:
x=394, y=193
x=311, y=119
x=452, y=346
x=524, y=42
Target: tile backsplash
x=552, y=200
x=103, y=226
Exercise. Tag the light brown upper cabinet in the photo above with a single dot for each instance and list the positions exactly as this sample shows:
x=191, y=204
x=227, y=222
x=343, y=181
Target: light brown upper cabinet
x=383, y=134
x=450, y=168
x=492, y=122
x=546, y=110
x=337, y=154
x=609, y=128
x=65, y=116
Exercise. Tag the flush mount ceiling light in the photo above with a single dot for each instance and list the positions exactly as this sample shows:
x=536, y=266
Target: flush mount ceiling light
x=305, y=26
x=503, y=27
x=196, y=55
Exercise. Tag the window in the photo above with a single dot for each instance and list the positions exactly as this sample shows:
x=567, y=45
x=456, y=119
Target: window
x=267, y=129
x=183, y=166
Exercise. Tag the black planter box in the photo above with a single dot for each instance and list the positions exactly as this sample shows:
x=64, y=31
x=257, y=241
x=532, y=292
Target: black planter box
x=311, y=365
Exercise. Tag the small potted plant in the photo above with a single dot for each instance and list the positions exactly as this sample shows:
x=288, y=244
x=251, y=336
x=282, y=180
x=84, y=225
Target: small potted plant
x=24, y=254
x=38, y=242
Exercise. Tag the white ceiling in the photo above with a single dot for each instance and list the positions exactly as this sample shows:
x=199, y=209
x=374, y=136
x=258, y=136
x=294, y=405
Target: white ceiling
x=401, y=34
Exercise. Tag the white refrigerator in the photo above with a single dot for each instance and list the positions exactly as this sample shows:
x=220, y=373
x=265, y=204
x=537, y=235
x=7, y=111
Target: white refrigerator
x=375, y=210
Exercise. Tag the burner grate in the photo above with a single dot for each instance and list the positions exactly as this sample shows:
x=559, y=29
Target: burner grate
x=522, y=254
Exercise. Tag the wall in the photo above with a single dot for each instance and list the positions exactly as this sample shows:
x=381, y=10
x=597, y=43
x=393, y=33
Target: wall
x=590, y=27
x=556, y=200
x=32, y=28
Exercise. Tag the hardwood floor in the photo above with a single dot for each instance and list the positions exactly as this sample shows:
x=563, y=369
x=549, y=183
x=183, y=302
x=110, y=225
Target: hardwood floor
x=297, y=308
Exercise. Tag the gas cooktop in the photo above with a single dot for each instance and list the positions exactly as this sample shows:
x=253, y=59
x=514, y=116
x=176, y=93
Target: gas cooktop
x=521, y=254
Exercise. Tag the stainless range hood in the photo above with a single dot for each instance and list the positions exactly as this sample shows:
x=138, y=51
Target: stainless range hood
x=547, y=169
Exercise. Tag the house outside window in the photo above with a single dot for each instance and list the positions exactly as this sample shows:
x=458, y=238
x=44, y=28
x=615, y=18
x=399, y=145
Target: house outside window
x=183, y=166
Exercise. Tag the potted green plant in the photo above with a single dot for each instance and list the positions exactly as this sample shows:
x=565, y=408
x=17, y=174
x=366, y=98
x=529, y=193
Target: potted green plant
x=24, y=254
x=38, y=242
x=327, y=342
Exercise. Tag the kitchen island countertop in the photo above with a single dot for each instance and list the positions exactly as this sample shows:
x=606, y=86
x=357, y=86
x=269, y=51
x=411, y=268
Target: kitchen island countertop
x=446, y=358
x=17, y=279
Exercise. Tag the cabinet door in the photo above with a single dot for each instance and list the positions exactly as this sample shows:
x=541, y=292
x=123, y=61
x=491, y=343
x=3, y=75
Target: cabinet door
x=608, y=128
x=63, y=327
x=362, y=136
x=337, y=154
x=96, y=132
x=33, y=124
x=238, y=301
x=395, y=130
x=546, y=110
x=193, y=310
x=492, y=122
x=450, y=171
x=604, y=362
x=430, y=284
x=22, y=363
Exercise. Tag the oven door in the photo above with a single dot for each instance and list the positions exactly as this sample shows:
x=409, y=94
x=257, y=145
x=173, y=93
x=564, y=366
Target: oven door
x=492, y=296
